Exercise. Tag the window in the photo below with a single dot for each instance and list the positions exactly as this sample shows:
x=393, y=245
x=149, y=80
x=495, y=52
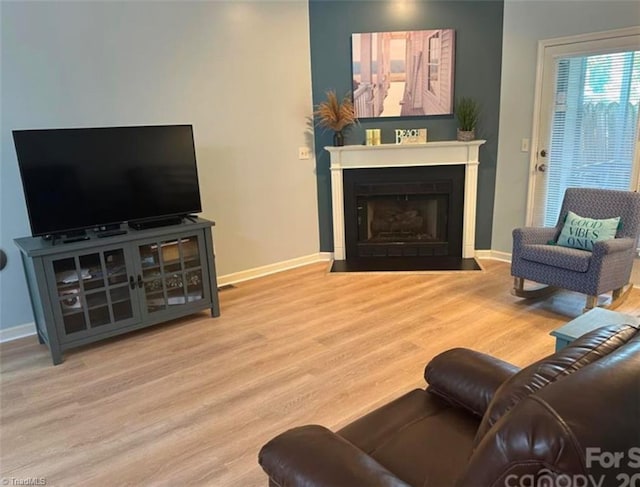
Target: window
x=433, y=63
x=594, y=125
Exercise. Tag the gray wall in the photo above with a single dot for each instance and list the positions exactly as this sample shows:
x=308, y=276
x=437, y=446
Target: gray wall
x=238, y=71
x=478, y=26
x=525, y=23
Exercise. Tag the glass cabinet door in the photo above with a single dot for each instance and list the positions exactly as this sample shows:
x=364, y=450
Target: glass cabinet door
x=172, y=272
x=92, y=290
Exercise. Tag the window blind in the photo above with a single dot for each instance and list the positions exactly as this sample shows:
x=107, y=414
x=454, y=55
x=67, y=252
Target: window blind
x=594, y=125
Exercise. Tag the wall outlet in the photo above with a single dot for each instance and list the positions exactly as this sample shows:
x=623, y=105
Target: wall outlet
x=304, y=153
x=524, y=145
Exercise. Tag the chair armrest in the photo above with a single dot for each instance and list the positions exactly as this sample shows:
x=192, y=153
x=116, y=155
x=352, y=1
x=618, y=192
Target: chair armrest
x=466, y=378
x=533, y=235
x=612, y=245
x=313, y=455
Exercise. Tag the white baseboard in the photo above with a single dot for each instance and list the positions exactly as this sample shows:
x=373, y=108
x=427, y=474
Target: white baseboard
x=325, y=256
x=256, y=272
x=494, y=255
x=236, y=277
x=15, y=332
x=29, y=329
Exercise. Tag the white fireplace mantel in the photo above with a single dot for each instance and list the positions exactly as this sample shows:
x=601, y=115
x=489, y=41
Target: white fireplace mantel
x=393, y=155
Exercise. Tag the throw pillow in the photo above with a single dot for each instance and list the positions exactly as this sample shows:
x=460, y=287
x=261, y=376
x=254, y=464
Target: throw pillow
x=581, y=232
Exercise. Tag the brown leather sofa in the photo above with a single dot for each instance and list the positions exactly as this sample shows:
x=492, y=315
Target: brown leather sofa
x=483, y=422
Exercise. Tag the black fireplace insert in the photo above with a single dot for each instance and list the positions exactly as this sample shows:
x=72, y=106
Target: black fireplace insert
x=403, y=212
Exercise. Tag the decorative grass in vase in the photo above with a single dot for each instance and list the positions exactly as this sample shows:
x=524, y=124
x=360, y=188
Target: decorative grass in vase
x=467, y=112
x=336, y=115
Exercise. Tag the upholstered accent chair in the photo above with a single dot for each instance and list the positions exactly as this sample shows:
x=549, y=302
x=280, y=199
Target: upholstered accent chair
x=606, y=268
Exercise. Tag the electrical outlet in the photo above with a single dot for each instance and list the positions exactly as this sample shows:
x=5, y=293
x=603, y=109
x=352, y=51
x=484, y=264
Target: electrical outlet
x=524, y=145
x=304, y=153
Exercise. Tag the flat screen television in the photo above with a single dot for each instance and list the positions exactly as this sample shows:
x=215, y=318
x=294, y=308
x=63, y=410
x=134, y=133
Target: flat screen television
x=81, y=178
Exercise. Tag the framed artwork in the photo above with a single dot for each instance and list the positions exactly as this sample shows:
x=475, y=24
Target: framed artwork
x=403, y=74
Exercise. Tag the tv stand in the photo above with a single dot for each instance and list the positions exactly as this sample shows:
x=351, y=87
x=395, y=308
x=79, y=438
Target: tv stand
x=156, y=222
x=93, y=289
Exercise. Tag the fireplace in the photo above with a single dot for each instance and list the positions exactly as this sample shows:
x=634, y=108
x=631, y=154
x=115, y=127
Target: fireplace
x=403, y=205
x=403, y=212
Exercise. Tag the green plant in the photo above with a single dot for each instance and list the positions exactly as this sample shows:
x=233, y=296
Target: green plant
x=467, y=112
x=335, y=114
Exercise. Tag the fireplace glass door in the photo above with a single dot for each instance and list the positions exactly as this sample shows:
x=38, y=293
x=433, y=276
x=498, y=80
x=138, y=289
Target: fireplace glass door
x=402, y=220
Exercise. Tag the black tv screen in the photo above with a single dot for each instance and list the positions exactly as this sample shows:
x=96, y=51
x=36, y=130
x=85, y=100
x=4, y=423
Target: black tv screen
x=90, y=177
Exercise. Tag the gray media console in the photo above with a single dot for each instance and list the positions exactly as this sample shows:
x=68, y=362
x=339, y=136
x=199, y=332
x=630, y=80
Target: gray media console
x=93, y=289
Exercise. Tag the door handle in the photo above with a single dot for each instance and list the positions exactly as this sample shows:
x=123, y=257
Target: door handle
x=542, y=167
x=132, y=283
x=543, y=153
x=140, y=283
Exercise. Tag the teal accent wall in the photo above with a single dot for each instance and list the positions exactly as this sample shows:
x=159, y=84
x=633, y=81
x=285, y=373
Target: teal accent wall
x=478, y=26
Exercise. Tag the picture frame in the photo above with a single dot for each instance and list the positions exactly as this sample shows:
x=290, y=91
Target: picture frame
x=403, y=73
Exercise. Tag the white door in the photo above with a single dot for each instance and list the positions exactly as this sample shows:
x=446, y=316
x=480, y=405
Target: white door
x=586, y=121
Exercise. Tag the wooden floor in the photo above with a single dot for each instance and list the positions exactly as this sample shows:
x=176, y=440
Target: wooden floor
x=191, y=402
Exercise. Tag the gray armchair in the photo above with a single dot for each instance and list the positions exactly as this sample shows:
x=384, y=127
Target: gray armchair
x=607, y=268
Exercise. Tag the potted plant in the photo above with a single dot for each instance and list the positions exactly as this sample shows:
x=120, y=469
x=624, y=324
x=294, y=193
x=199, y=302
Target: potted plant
x=336, y=115
x=467, y=112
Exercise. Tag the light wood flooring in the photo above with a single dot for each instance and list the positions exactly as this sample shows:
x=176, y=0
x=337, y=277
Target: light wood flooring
x=635, y=272
x=191, y=402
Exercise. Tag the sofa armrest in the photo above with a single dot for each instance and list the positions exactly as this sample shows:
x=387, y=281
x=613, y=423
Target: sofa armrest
x=613, y=245
x=533, y=235
x=466, y=378
x=313, y=455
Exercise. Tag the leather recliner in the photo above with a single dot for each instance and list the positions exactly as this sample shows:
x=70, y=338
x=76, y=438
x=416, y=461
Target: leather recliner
x=483, y=422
